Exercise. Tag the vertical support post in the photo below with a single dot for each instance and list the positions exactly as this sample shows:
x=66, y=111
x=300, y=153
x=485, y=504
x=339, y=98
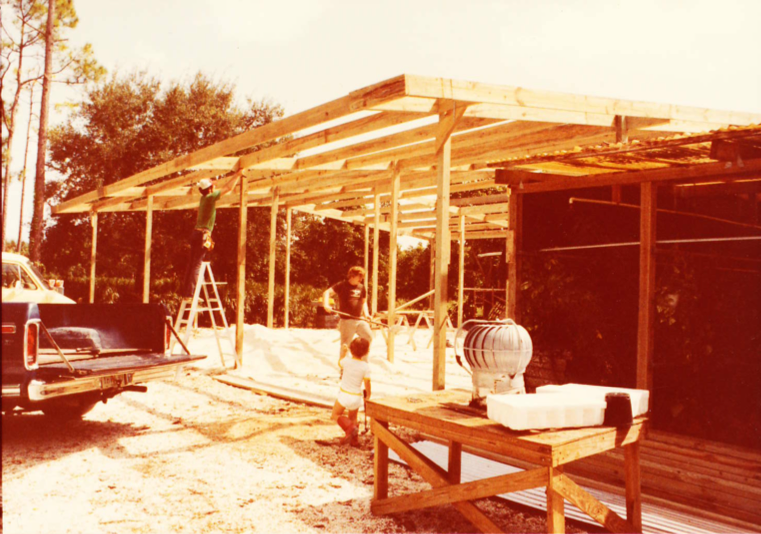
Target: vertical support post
x=513, y=251
x=241, y=297
x=287, y=289
x=646, y=324
x=148, y=235
x=367, y=252
x=396, y=182
x=633, y=485
x=432, y=271
x=93, y=249
x=454, y=471
x=441, y=270
x=376, y=250
x=273, y=254
x=555, y=504
x=461, y=271
x=622, y=136
x=380, y=466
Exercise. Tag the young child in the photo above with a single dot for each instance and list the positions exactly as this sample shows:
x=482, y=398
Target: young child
x=354, y=372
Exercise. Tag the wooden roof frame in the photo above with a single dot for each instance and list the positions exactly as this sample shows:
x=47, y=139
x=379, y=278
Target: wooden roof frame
x=394, y=123
x=389, y=156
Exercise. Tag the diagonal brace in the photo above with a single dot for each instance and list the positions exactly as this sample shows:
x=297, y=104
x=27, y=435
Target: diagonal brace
x=432, y=474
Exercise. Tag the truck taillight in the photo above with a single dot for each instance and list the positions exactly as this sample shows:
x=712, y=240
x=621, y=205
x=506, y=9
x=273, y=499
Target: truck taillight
x=31, y=345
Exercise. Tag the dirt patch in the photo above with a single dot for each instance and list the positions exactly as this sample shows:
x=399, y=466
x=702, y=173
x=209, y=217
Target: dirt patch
x=196, y=456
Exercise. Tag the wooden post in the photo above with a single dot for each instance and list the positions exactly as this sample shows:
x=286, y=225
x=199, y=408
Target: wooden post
x=454, y=471
x=241, y=300
x=380, y=467
x=148, y=232
x=461, y=271
x=646, y=325
x=287, y=289
x=93, y=249
x=622, y=136
x=273, y=254
x=513, y=251
x=555, y=503
x=633, y=485
x=432, y=271
x=396, y=182
x=376, y=250
x=441, y=274
x=367, y=252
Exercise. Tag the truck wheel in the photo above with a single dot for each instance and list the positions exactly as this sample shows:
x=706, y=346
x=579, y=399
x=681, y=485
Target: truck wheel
x=69, y=409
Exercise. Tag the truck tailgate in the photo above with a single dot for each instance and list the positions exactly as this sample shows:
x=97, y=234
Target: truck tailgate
x=115, y=364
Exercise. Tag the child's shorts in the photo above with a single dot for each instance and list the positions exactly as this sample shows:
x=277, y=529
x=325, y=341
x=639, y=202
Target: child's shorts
x=349, y=401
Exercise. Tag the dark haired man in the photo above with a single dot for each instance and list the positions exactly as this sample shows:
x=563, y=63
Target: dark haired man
x=352, y=304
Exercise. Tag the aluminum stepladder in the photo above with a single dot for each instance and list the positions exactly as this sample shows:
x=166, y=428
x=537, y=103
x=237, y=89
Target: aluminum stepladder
x=190, y=308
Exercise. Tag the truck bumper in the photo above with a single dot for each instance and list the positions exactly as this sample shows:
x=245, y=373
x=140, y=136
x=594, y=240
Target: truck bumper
x=11, y=391
x=38, y=390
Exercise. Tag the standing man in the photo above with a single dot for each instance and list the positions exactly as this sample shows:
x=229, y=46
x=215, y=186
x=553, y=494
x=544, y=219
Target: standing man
x=200, y=239
x=352, y=301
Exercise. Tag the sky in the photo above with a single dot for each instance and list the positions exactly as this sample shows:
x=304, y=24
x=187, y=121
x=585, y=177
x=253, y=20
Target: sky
x=301, y=54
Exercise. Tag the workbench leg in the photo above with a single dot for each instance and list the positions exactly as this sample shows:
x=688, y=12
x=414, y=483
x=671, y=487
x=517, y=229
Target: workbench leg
x=380, y=479
x=455, y=462
x=555, y=504
x=633, y=485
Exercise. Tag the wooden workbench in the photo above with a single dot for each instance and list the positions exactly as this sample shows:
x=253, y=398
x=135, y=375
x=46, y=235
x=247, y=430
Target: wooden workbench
x=446, y=414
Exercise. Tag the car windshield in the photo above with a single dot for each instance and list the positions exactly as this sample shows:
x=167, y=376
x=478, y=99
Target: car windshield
x=37, y=273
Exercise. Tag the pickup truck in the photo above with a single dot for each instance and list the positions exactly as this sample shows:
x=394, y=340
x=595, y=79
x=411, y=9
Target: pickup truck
x=65, y=358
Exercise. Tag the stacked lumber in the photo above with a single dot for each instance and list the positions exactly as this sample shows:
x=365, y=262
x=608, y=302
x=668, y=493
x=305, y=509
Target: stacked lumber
x=707, y=478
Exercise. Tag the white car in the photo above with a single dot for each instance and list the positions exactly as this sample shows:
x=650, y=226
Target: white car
x=23, y=282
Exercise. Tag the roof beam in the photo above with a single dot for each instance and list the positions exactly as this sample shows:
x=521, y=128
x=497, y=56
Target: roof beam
x=706, y=171
x=484, y=93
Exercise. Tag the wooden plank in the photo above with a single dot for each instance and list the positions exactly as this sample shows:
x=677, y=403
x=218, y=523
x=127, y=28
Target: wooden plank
x=241, y=268
x=273, y=255
x=514, y=244
x=393, y=141
x=147, y=255
x=366, y=254
x=380, y=463
x=633, y=486
x=419, y=86
x=376, y=250
x=355, y=101
x=347, y=130
x=454, y=471
x=555, y=505
x=594, y=508
x=646, y=321
x=461, y=271
x=93, y=249
x=442, y=248
x=721, y=170
x=432, y=474
x=392, y=255
x=470, y=491
x=287, y=288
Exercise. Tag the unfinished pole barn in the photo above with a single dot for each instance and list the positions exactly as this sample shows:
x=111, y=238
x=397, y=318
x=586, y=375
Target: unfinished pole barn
x=402, y=156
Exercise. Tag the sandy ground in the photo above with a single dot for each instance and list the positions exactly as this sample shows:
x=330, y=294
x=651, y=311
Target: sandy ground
x=195, y=455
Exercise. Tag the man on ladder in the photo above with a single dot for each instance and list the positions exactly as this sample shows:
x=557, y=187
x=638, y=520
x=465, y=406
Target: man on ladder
x=200, y=239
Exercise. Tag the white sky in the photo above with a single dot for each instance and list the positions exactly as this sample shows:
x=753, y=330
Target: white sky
x=304, y=53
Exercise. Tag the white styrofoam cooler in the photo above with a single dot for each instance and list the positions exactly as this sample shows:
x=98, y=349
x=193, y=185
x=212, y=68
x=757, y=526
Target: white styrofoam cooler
x=639, y=397
x=535, y=411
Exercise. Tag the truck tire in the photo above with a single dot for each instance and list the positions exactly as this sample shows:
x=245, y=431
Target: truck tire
x=68, y=409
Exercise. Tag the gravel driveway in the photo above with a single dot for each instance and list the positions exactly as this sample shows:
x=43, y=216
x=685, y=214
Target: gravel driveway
x=195, y=455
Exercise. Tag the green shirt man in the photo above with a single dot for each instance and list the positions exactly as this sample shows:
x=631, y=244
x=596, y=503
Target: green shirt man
x=207, y=211
x=207, y=214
